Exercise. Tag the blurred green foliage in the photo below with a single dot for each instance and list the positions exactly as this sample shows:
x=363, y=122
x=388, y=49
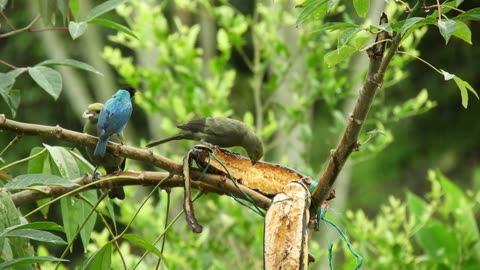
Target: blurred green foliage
x=438, y=232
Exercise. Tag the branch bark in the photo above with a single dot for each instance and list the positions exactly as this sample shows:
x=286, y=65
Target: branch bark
x=349, y=142
x=208, y=183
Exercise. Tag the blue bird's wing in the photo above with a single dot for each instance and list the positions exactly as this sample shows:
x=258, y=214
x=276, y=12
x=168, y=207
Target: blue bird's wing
x=114, y=117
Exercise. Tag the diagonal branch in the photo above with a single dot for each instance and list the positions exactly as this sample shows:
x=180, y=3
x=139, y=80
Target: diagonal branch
x=349, y=142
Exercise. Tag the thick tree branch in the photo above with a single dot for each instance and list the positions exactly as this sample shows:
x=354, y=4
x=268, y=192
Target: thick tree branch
x=349, y=142
x=208, y=183
x=145, y=155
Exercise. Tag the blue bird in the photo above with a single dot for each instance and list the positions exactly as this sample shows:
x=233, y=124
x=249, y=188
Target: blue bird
x=113, y=118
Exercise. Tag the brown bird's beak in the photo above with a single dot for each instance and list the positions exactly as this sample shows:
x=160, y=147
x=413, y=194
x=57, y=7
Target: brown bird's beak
x=87, y=114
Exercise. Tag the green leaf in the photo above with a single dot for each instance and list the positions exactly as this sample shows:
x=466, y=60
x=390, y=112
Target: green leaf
x=317, y=8
x=446, y=28
x=76, y=29
x=115, y=26
x=83, y=209
x=331, y=3
x=472, y=14
x=8, y=212
x=102, y=9
x=361, y=6
x=384, y=27
x=36, y=235
x=104, y=251
x=37, y=165
x=12, y=98
x=75, y=8
x=331, y=26
x=336, y=56
x=103, y=258
x=3, y=3
x=41, y=225
x=463, y=32
x=464, y=87
x=346, y=35
x=137, y=240
x=8, y=79
x=49, y=79
x=65, y=161
x=438, y=241
x=27, y=180
x=409, y=23
x=70, y=63
x=222, y=40
x=447, y=76
x=62, y=6
x=47, y=11
x=28, y=261
x=417, y=208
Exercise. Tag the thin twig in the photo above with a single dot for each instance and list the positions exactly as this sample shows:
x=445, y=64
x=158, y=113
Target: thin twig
x=8, y=20
x=24, y=29
x=48, y=29
x=79, y=229
x=104, y=221
x=439, y=10
x=8, y=64
x=421, y=60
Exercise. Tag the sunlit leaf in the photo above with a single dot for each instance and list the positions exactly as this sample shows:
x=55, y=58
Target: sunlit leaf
x=75, y=8
x=446, y=29
x=446, y=75
x=438, y=241
x=76, y=29
x=463, y=32
x=361, y=6
x=409, y=23
x=315, y=8
x=336, y=56
x=346, y=35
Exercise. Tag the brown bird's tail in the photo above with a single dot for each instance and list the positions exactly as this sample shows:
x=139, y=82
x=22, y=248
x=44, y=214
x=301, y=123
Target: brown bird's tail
x=173, y=138
x=116, y=192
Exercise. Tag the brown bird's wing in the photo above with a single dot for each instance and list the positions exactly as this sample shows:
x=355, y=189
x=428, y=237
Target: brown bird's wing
x=195, y=125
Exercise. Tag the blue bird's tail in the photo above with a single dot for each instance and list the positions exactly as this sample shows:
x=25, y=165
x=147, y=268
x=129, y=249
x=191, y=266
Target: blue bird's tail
x=101, y=148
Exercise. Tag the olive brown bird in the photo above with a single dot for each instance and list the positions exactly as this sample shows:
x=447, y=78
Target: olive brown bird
x=111, y=164
x=220, y=131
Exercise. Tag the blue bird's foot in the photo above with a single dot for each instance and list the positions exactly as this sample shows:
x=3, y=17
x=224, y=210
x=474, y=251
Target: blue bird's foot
x=95, y=174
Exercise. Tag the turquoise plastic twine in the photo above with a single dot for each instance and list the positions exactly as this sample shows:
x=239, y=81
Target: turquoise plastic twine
x=321, y=216
x=255, y=207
